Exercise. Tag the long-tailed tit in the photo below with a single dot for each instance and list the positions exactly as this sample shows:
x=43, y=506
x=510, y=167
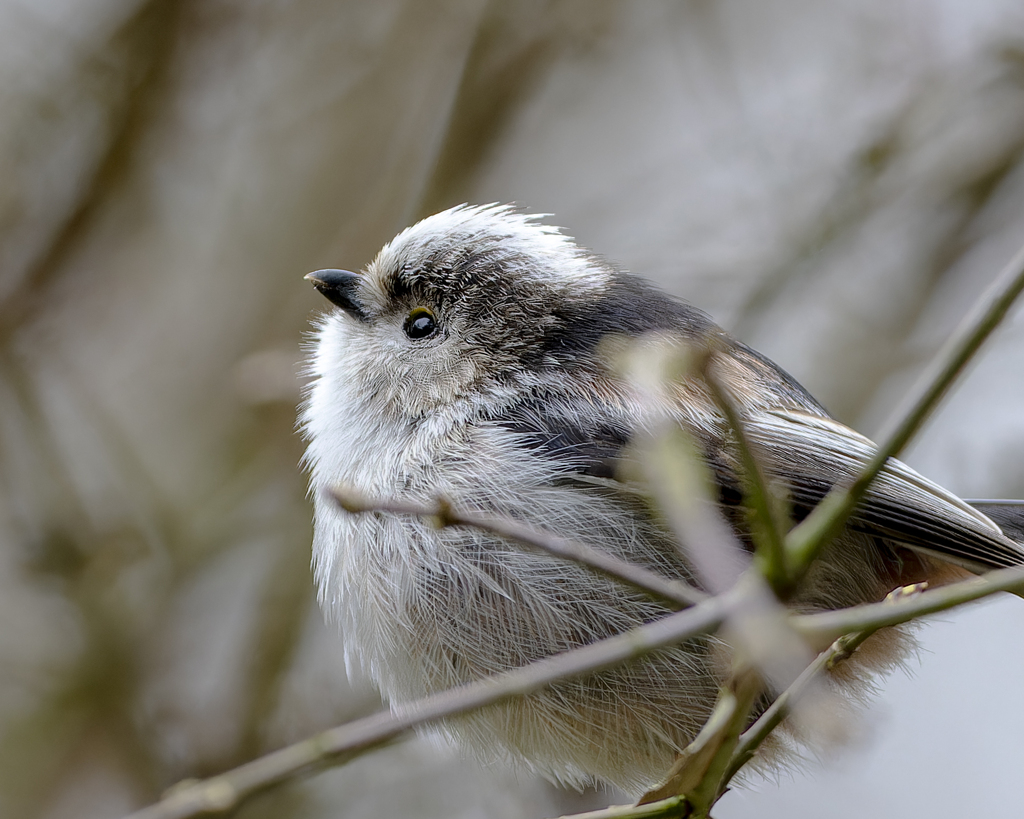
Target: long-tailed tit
x=466, y=361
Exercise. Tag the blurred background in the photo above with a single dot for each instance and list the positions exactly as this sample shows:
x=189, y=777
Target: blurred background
x=835, y=182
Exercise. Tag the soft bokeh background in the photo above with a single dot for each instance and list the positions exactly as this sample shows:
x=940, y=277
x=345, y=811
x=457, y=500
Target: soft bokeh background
x=836, y=182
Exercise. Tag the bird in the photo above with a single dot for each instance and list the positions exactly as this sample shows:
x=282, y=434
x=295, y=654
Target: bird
x=468, y=361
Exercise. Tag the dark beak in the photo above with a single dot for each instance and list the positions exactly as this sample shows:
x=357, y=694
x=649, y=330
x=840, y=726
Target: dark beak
x=339, y=287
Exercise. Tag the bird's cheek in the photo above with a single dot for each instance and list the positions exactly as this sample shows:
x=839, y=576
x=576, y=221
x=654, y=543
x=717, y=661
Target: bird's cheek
x=442, y=380
x=416, y=383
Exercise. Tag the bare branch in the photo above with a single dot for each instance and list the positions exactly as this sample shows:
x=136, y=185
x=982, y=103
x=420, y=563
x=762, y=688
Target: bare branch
x=699, y=772
x=226, y=791
x=675, y=807
x=826, y=626
x=842, y=649
x=681, y=483
x=674, y=592
x=772, y=528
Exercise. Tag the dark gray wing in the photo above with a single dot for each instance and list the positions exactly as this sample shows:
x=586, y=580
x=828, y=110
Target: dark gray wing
x=588, y=448
x=804, y=452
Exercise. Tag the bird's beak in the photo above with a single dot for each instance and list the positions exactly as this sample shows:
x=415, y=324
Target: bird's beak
x=339, y=287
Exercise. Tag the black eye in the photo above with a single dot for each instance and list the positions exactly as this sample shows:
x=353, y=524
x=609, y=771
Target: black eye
x=420, y=323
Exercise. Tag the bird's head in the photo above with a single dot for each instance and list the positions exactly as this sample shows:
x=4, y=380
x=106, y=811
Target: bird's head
x=476, y=302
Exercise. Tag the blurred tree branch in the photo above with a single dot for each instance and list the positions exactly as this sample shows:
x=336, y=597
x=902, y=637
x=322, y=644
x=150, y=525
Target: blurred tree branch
x=129, y=75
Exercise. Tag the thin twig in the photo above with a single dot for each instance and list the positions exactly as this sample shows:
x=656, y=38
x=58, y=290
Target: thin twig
x=751, y=739
x=758, y=493
x=840, y=650
x=226, y=791
x=826, y=626
x=744, y=690
x=674, y=592
x=698, y=773
x=673, y=466
x=681, y=483
x=829, y=517
x=675, y=807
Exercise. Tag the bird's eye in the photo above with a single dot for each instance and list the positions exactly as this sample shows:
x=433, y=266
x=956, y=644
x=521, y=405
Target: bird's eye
x=420, y=323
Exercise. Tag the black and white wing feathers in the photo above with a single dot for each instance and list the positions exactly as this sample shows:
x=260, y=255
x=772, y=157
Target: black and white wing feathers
x=809, y=454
